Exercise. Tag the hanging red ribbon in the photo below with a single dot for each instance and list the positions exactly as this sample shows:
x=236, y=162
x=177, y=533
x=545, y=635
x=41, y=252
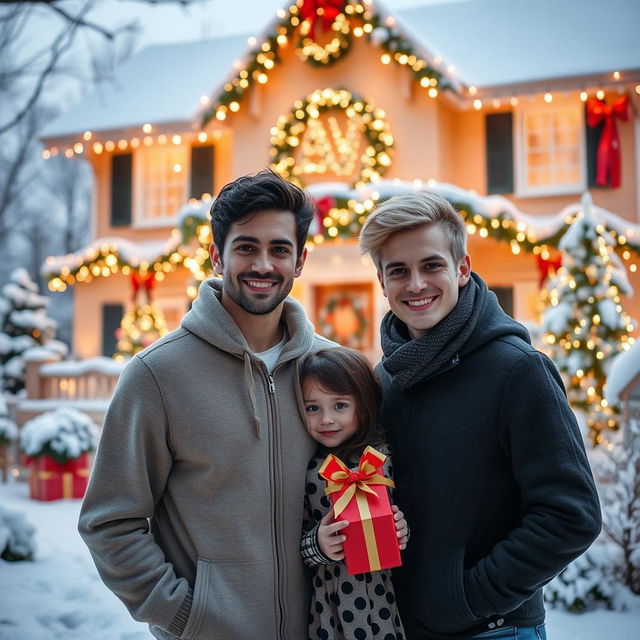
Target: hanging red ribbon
x=325, y=10
x=323, y=207
x=546, y=266
x=144, y=281
x=609, y=158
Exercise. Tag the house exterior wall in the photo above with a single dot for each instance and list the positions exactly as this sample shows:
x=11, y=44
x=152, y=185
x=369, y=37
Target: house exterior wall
x=433, y=139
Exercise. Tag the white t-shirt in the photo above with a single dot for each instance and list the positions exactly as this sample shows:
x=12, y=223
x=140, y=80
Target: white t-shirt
x=271, y=356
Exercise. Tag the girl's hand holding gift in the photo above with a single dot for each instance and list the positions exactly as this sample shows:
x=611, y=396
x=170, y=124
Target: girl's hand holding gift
x=329, y=539
x=402, y=529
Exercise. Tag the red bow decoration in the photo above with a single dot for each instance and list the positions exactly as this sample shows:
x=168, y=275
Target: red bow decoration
x=545, y=266
x=144, y=281
x=326, y=10
x=609, y=160
x=323, y=207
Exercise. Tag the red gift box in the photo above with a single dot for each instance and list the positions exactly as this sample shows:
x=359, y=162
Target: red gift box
x=50, y=480
x=361, y=497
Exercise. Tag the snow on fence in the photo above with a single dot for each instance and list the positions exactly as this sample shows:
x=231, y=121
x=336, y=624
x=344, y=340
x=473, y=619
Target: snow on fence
x=85, y=385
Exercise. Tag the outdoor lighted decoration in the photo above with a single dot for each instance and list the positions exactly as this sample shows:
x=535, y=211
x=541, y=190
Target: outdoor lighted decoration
x=585, y=325
x=323, y=30
x=311, y=140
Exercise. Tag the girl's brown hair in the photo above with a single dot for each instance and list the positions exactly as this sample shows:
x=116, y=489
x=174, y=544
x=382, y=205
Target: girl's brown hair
x=346, y=371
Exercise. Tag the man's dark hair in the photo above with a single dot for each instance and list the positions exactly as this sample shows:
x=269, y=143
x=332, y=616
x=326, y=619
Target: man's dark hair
x=263, y=191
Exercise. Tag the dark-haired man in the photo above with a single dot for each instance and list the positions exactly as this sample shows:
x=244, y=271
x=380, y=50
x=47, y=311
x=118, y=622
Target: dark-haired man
x=194, y=509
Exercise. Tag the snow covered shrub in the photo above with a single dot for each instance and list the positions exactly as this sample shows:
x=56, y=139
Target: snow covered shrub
x=619, y=473
x=16, y=536
x=587, y=583
x=63, y=434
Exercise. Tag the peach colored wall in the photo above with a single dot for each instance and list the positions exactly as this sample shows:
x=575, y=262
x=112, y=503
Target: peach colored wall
x=101, y=165
x=90, y=298
x=411, y=114
x=470, y=169
x=433, y=139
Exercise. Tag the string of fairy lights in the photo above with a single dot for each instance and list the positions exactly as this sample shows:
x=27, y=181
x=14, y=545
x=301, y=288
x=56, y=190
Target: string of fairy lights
x=342, y=222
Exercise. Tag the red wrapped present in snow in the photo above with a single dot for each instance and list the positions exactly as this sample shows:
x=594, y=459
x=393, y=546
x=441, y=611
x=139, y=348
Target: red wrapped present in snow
x=362, y=498
x=50, y=480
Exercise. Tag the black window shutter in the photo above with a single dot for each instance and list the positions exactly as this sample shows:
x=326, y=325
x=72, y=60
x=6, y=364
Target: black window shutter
x=592, y=138
x=499, y=142
x=201, y=171
x=121, y=189
x=111, y=318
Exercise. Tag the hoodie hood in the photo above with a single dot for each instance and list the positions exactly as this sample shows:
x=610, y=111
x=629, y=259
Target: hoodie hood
x=492, y=323
x=211, y=322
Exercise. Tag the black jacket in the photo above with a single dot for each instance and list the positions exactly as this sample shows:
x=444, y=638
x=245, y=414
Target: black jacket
x=493, y=477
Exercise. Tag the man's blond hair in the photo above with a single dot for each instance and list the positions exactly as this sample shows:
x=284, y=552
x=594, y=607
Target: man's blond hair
x=409, y=211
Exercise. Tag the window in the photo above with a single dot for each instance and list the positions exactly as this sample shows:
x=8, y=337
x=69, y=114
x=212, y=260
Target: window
x=121, y=190
x=111, y=318
x=162, y=179
x=551, y=151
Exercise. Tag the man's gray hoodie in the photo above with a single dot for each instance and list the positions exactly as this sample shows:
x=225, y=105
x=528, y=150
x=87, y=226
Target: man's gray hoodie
x=194, y=508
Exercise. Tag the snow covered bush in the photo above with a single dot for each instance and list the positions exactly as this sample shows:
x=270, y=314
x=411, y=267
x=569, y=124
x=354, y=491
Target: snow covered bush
x=63, y=434
x=608, y=574
x=619, y=473
x=588, y=582
x=16, y=536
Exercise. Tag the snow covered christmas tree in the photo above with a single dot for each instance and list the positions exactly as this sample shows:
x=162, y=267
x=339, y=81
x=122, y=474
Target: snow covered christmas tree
x=585, y=325
x=140, y=326
x=24, y=324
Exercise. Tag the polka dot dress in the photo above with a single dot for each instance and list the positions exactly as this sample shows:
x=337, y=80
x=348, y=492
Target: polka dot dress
x=345, y=607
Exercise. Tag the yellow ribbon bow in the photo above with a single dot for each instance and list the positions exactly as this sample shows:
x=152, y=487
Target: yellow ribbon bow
x=339, y=476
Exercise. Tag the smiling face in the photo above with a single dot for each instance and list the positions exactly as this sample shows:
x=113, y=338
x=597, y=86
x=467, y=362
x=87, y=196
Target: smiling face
x=420, y=277
x=331, y=418
x=259, y=262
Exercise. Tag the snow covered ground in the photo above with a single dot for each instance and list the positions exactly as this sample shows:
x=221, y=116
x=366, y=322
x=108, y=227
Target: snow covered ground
x=60, y=597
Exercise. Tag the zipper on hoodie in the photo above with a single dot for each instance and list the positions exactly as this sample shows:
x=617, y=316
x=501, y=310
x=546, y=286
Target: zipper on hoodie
x=279, y=587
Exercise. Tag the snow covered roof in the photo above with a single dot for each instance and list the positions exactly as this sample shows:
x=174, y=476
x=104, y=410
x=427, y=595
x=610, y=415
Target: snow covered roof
x=131, y=253
x=506, y=42
x=489, y=42
x=624, y=368
x=541, y=226
x=160, y=84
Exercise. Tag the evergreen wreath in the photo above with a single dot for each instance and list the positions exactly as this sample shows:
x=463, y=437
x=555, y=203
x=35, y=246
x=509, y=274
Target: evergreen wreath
x=327, y=326
x=324, y=55
x=288, y=133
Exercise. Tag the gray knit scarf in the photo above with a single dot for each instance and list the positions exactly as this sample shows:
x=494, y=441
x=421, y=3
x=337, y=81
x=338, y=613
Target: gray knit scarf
x=411, y=361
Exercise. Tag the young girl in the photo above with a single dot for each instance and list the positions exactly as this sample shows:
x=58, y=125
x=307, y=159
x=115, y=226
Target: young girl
x=342, y=405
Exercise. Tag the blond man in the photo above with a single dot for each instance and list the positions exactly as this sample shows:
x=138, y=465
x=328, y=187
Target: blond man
x=491, y=469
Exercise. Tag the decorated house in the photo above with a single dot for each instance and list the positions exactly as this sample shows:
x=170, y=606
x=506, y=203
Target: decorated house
x=512, y=110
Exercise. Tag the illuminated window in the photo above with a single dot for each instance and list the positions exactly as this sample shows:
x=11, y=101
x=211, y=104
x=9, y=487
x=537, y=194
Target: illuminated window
x=550, y=151
x=162, y=179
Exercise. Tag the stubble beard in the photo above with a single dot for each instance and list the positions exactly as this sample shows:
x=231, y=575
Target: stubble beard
x=250, y=304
